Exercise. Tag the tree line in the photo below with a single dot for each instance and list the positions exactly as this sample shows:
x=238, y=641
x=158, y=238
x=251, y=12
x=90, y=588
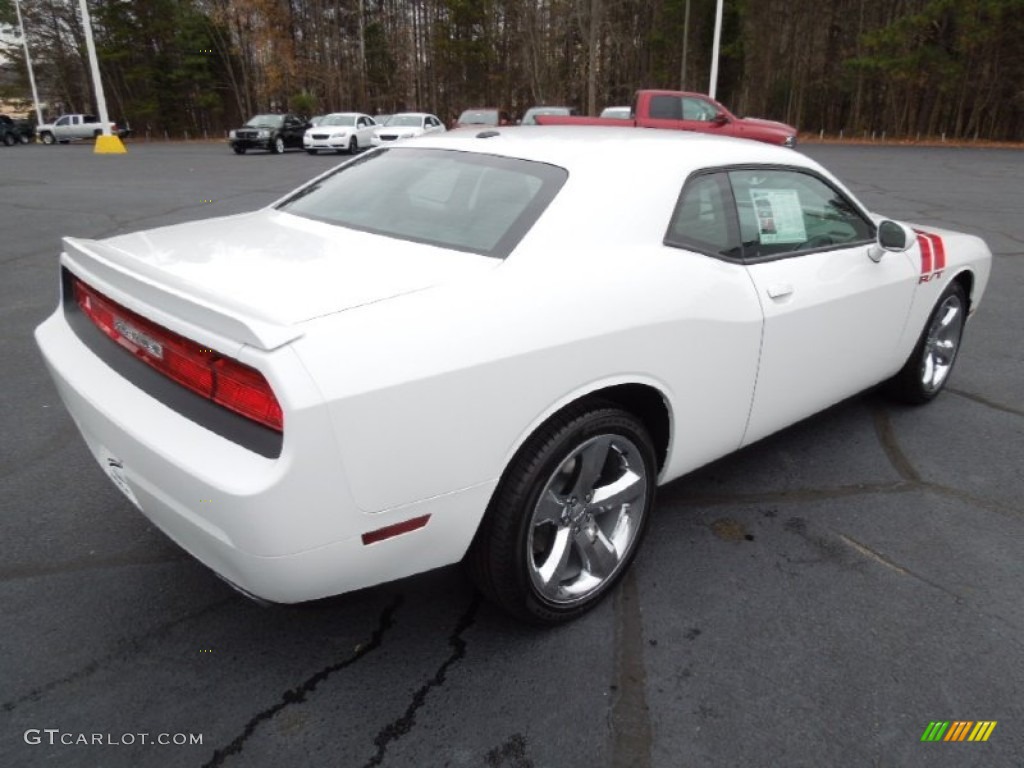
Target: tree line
x=900, y=67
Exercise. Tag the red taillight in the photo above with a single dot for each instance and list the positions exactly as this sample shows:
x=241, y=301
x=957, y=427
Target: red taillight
x=223, y=380
x=244, y=390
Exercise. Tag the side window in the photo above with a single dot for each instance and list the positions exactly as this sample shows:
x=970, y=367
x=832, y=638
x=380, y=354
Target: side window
x=703, y=219
x=697, y=109
x=784, y=212
x=63, y=121
x=666, y=108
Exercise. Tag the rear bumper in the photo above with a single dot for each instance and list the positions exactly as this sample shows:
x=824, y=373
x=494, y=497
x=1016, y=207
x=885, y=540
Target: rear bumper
x=284, y=529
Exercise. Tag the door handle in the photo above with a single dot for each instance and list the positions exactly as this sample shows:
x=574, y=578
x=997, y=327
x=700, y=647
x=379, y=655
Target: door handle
x=780, y=290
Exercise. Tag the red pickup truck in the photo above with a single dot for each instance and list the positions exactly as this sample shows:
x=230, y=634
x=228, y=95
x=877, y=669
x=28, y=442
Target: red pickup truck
x=681, y=111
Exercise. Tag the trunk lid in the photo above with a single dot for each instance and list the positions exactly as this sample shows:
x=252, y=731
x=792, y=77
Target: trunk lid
x=280, y=268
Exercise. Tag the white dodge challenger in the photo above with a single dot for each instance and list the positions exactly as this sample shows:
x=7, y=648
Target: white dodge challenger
x=488, y=346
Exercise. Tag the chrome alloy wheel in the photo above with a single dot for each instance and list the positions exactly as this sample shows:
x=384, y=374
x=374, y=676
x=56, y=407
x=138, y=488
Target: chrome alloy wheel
x=941, y=343
x=586, y=519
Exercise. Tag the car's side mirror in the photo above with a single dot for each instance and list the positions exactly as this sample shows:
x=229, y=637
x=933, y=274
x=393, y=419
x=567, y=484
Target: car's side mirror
x=720, y=119
x=892, y=237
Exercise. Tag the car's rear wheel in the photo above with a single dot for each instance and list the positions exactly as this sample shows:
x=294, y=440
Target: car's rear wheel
x=278, y=146
x=47, y=138
x=239, y=150
x=568, y=515
x=928, y=368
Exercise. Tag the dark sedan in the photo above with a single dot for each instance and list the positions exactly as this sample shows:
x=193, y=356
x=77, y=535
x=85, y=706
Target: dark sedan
x=275, y=133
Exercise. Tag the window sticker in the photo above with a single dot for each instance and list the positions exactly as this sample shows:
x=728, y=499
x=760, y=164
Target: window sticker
x=780, y=218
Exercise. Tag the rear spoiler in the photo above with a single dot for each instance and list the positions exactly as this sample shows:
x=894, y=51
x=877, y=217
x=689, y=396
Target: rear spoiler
x=144, y=289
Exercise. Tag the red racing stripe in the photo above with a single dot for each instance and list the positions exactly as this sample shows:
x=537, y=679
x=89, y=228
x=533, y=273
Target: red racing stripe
x=940, y=252
x=926, y=252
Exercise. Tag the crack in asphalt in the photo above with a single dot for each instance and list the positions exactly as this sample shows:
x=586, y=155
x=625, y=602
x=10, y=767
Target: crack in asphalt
x=128, y=648
x=887, y=437
x=980, y=400
x=881, y=559
x=398, y=728
x=16, y=572
x=800, y=494
x=298, y=694
x=630, y=714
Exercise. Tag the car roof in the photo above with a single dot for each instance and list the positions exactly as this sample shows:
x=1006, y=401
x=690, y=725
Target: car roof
x=578, y=148
x=414, y=114
x=346, y=114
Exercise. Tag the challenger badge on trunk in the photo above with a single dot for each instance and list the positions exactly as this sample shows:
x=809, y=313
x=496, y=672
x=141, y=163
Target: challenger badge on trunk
x=138, y=338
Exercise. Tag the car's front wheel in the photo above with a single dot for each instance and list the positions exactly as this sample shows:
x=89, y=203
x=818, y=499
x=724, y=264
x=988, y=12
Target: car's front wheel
x=278, y=146
x=353, y=145
x=568, y=515
x=9, y=139
x=239, y=150
x=24, y=139
x=311, y=151
x=928, y=368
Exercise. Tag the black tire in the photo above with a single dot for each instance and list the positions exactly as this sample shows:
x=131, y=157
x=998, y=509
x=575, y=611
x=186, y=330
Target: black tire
x=239, y=150
x=97, y=134
x=311, y=151
x=47, y=138
x=24, y=139
x=9, y=139
x=353, y=145
x=930, y=365
x=277, y=147
x=505, y=557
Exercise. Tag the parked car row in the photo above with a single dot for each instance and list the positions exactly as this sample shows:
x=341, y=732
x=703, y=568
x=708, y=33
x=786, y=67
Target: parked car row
x=348, y=132
x=353, y=131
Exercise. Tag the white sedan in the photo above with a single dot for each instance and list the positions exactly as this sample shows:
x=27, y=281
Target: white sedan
x=477, y=348
x=340, y=132
x=407, y=125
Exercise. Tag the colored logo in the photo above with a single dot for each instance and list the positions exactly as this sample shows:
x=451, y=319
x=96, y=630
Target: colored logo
x=933, y=255
x=958, y=730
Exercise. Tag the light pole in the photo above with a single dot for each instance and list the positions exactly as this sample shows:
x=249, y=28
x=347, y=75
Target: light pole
x=28, y=63
x=714, y=50
x=106, y=144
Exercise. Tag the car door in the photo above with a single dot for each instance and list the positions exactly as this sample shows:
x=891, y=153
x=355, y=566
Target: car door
x=433, y=125
x=364, y=130
x=62, y=128
x=684, y=113
x=711, y=354
x=833, y=317
x=294, y=128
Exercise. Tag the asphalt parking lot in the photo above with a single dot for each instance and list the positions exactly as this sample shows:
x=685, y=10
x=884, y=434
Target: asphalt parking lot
x=814, y=600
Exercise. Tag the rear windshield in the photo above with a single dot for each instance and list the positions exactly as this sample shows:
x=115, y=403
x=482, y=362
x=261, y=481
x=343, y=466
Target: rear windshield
x=479, y=117
x=265, y=121
x=405, y=120
x=460, y=200
x=339, y=120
